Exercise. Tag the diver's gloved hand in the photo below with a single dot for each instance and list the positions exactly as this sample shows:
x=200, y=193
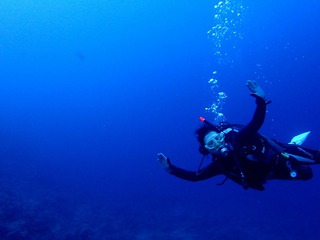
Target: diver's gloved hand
x=255, y=89
x=163, y=160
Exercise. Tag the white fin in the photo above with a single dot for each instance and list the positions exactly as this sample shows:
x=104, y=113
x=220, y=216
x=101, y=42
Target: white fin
x=299, y=139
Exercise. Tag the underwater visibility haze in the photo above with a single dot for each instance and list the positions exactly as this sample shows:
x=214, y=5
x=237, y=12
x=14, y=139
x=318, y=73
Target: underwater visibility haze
x=91, y=91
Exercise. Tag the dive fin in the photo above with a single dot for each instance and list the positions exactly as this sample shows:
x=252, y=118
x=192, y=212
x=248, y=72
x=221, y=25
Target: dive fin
x=299, y=139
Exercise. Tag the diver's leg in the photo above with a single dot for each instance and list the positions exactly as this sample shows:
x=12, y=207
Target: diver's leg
x=288, y=170
x=308, y=155
x=302, y=173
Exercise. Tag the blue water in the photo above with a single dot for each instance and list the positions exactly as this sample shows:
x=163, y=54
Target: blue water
x=91, y=91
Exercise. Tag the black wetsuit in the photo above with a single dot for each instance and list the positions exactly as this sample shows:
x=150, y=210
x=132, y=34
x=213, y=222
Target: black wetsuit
x=254, y=158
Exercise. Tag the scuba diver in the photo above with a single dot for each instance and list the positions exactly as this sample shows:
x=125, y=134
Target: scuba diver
x=246, y=156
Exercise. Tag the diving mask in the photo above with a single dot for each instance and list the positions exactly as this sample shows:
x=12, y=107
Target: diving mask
x=214, y=141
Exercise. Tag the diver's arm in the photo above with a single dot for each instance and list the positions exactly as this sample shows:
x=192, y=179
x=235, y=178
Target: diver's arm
x=207, y=172
x=259, y=115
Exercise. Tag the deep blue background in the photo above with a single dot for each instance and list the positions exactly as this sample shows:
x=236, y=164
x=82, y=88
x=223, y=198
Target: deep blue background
x=91, y=91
